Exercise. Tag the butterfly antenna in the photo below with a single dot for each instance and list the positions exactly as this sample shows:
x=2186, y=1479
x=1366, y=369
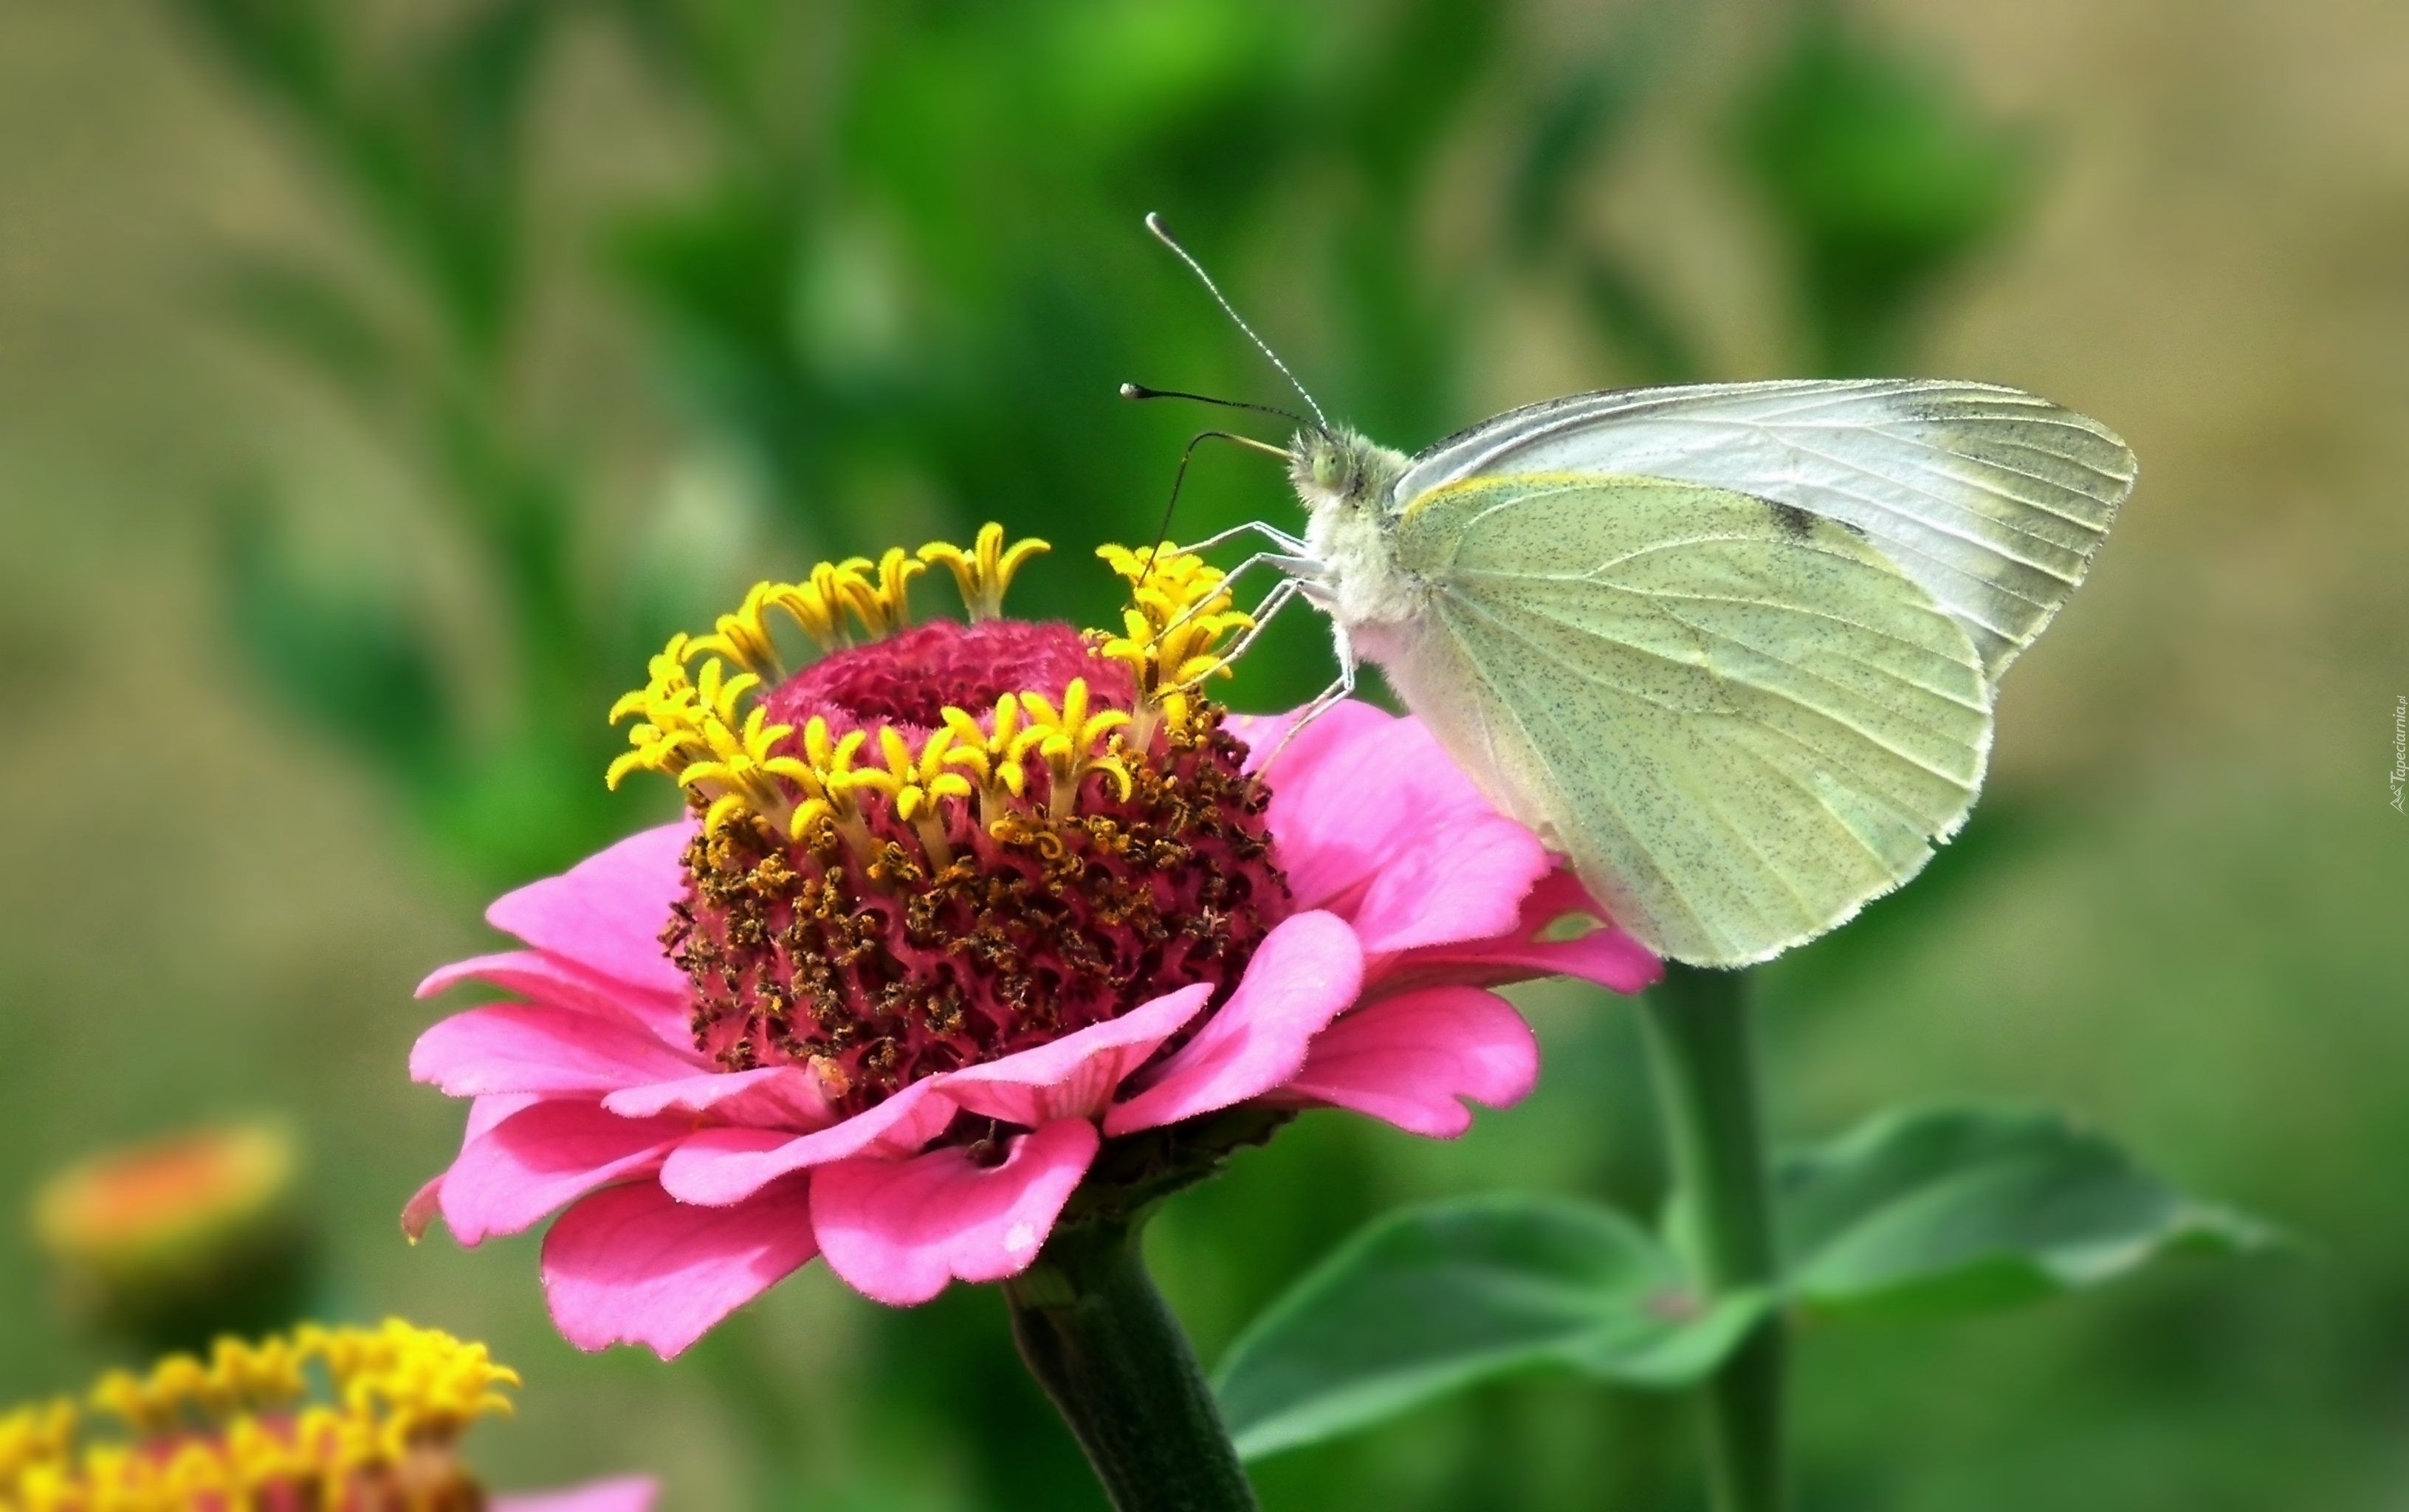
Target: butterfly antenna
x=1162, y=532
x=1139, y=390
x=1154, y=223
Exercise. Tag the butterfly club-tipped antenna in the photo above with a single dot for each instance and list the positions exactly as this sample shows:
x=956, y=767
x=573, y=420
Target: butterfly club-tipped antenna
x=1154, y=223
x=1139, y=390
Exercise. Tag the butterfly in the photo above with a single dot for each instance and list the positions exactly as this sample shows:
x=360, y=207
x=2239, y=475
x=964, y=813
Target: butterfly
x=1732, y=649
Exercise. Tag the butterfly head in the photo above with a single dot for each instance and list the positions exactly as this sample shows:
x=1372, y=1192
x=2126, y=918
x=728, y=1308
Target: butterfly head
x=1338, y=470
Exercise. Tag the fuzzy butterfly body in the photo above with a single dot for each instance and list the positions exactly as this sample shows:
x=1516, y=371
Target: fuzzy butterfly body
x=1733, y=648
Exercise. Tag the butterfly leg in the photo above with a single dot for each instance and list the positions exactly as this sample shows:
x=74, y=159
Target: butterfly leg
x=1300, y=571
x=1327, y=699
x=1273, y=601
x=1277, y=537
x=1313, y=591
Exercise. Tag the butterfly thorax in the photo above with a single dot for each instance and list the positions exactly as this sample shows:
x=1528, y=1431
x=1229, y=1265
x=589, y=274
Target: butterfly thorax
x=1345, y=481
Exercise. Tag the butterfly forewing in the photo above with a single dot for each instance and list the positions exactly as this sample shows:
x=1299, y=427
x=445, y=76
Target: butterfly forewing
x=1991, y=498
x=1739, y=722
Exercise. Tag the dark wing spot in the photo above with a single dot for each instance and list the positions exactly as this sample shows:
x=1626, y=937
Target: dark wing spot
x=1795, y=522
x=1799, y=524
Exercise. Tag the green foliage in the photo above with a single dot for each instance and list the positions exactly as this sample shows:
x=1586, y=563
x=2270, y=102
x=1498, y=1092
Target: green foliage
x=342, y=654
x=1936, y=1210
x=1571, y=143
x=1963, y=1209
x=1430, y=1300
x=939, y=274
x=428, y=149
x=426, y=144
x=1879, y=178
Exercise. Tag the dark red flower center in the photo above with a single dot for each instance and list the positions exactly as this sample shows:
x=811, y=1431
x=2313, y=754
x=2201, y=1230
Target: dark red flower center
x=908, y=682
x=951, y=908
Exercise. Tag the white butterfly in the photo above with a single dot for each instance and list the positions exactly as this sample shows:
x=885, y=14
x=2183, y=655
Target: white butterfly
x=1731, y=649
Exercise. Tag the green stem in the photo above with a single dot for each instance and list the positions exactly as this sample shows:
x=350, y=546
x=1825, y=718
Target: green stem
x=1702, y=1045
x=1097, y=1337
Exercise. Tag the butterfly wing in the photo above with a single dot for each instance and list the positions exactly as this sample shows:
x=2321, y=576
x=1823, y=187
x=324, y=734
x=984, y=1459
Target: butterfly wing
x=1740, y=722
x=1993, y=500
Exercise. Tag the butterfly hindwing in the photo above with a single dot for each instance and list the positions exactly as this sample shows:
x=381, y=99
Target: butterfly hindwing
x=1738, y=720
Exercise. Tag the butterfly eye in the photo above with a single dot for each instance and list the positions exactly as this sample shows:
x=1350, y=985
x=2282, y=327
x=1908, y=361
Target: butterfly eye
x=1328, y=469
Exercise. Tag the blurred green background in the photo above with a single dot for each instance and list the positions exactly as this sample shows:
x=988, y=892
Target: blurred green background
x=378, y=382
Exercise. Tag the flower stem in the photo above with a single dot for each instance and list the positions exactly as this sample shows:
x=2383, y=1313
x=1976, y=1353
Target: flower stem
x=1097, y=1337
x=1701, y=1044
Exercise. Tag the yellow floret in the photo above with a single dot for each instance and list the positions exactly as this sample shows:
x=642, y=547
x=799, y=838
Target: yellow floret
x=1072, y=743
x=1172, y=633
x=985, y=571
x=698, y=722
x=240, y=1428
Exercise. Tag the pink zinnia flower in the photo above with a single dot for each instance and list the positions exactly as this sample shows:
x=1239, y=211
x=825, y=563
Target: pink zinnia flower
x=888, y=1013
x=628, y=1493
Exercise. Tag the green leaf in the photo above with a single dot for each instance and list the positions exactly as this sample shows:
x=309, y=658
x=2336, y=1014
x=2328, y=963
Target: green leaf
x=339, y=652
x=318, y=321
x=1881, y=177
x=1953, y=1209
x=1434, y=1299
x=1960, y=1209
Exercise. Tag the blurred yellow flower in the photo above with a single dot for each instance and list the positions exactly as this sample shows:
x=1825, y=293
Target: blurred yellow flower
x=344, y=1419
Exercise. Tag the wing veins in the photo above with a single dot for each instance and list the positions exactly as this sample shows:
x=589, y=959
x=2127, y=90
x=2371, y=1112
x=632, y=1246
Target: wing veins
x=1935, y=449
x=1906, y=544
x=1848, y=724
x=1537, y=747
x=1945, y=504
x=1709, y=801
x=1710, y=804
x=1722, y=819
x=1668, y=594
x=1928, y=464
x=1482, y=574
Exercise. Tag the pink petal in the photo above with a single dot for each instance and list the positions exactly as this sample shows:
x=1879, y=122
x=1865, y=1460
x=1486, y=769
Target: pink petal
x=542, y=1157
x=606, y=913
x=720, y=1166
x=1372, y=822
x=1408, y=1059
x=628, y=1264
x=1608, y=958
x=419, y=1214
x=560, y=984
x=523, y=1048
x=1074, y=1076
x=1605, y=955
x=1304, y=973
x=772, y=1097
x=629, y=1494
x=1460, y=882
x=897, y=1230
x=486, y=1112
